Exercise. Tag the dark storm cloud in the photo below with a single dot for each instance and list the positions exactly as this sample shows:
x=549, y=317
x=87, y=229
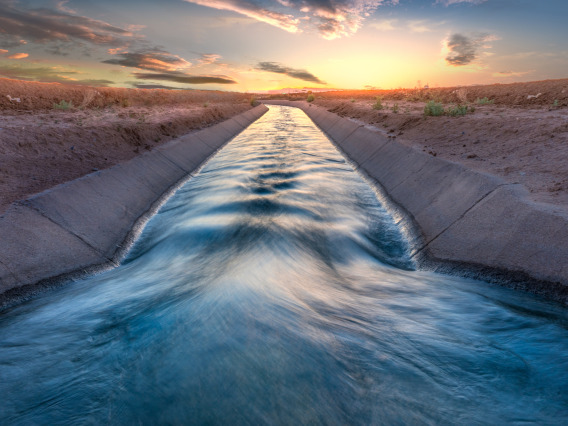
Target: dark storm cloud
x=179, y=77
x=291, y=72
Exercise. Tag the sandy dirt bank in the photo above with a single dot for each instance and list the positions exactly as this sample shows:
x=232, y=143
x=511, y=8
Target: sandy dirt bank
x=42, y=146
x=517, y=136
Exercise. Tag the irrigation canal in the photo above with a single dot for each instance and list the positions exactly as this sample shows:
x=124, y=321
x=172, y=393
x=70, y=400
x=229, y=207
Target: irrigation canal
x=273, y=288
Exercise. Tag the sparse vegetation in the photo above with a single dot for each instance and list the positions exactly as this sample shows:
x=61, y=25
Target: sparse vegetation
x=484, y=101
x=378, y=105
x=310, y=98
x=457, y=110
x=253, y=101
x=206, y=104
x=352, y=100
x=64, y=105
x=395, y=108
x=556, y=104
x=434, y=109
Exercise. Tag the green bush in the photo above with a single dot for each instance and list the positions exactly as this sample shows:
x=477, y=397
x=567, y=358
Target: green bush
x=352, y=100
x=457, y=110
x=555, y=104
x=484, y=101
x=252, y=101
x=378, y=105
x=310, y=98
x=434, y=109
x=395, y=108
x=63, y=105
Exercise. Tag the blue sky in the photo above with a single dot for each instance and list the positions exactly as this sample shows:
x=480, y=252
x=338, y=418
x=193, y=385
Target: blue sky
x=248, y=45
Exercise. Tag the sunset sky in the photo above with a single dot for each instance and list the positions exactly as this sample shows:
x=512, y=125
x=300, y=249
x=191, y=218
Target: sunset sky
x=248, y=45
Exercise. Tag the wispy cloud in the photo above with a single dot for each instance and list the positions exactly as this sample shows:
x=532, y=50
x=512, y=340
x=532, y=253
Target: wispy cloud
x=423, y=25
x=209, y=58
x=464, y=49
x=511, y=73
x=19, y=25
x=450, y=2
x=49, y=74
x=152, y=86
x=332, y=18
x=152, y=60
x=18, y=56
x=418, y=26
x=179, y=77
x=291, y=72
x=61, y=29
x=253, y=10
x=384, y=25
x=93, y=82
x=336, y=18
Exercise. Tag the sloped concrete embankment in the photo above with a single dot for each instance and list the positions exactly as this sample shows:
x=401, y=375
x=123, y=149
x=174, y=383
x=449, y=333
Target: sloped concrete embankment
x=87, y=224
x=462, y=222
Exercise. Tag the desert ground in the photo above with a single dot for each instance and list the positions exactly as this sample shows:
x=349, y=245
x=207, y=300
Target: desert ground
x=44, y=142
x=516, y=131
x=51, y=133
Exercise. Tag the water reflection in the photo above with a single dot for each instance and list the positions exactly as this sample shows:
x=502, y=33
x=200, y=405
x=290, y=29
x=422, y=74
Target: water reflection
x=273, y=288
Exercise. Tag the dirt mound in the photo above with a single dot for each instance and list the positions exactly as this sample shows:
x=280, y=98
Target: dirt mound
x=520, y=144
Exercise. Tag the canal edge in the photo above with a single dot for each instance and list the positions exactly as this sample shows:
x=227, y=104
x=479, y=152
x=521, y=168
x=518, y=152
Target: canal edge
x=87, y=225
x=458, y=221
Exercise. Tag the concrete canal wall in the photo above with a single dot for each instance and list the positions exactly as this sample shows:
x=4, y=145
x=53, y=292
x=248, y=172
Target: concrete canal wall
x=87, y=224
x=462, y=221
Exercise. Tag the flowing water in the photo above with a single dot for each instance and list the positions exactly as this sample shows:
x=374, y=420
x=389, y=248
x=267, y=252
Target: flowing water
x=273, y=288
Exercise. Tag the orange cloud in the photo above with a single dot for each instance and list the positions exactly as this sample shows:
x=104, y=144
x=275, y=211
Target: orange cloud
x=209, y=58
x=2, y=51
x=252, y=10
x=18, y=56
x=117, y=50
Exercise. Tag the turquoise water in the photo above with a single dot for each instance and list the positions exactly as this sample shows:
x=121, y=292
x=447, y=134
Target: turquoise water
x=273, y=288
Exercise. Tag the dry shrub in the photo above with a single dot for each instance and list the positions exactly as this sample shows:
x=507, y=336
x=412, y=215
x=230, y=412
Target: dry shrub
x=461, y=94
